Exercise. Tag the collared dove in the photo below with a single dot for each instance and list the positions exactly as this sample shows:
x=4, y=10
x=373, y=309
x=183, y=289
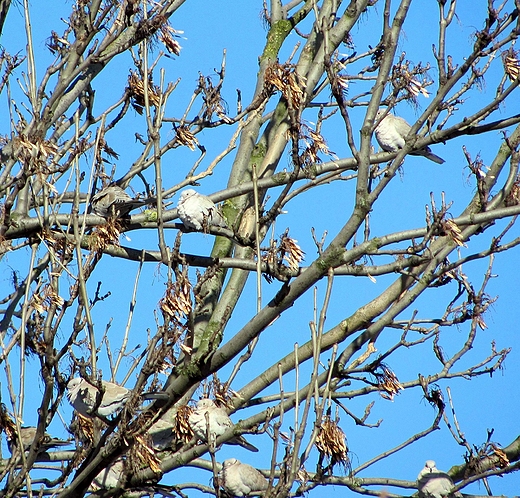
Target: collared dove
x=434, y=483
x=84, y=397
x=27, y=435
x=218, y=421
x=161, y=432
x=240, y=479
x=198, y=212
x=391, y=133
x=109, y=477
x=114, y=201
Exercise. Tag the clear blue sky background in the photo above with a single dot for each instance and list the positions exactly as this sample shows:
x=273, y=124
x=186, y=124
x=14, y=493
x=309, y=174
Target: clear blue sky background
x=209, y=28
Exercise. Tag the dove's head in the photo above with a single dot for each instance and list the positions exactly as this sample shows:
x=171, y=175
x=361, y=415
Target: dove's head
x=430, y=466
x=205, y=403
x=229, y=462
x=73, y=386
x=186, y=194
x=380, y=113
x=74, y=383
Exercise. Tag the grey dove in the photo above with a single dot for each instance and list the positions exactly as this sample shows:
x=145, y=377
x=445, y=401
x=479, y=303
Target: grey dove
x=84, y=397
x=434, y=483
x=114, y=201
x=27, y=435
x=110, y=476
x=198, y=212
x=391, y=133
x=240, y=479
x=161, y=432
x=218, y=422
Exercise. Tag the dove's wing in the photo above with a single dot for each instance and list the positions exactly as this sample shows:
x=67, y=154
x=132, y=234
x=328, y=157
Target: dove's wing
x=400, y=126
x=241, y=479
x=114, y=201
x=231, y=478
x=436, y=485
x=210, y=210
x=252, y=478
x=219, y=420
x=113, y=398
x=162, y=432
x=220, y=423
x=84, y=397
x=403, y=128
x=109, y=477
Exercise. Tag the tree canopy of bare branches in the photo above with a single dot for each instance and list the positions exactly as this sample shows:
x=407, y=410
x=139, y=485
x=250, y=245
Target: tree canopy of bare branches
x=330, y=292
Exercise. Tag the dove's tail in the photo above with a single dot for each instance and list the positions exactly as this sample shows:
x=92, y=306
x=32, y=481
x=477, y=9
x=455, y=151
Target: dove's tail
x=245, y=444
x=433, y=157
x=428, y=154
x=158, y=395
x=53, y=443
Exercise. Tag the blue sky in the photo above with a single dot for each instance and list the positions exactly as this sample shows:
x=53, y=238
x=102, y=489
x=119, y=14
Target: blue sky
x=209, y=28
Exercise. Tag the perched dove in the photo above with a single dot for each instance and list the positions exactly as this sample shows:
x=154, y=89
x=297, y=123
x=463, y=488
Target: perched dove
x=218, y=420
x=110, y=476
x=391, y=132
x=27, y=435
x=114, y=201
x=240, y=479
x=434, y=483
x=84, y=397
x=161, y=433
x=198, y=212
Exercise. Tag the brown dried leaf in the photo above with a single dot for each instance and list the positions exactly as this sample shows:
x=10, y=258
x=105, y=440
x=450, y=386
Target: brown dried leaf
x=503, y=461
x=46, y=297
x=410, y=79
x=343, y=82
x=284, y=78
x=85, y=428
x=481, y=322
x=7, y=424
x=315, y=143
x=511, y=63
x=136, y=90
x=146, y=455
x=186, y=137
x=331, y=441
x=221, y=392
x=176, y=304
x=167, y=36
x=290, y=251
x=453, y=232
x=104, y=235
x=436, y=398
x=182, y=429
x=415, y=88
x=513, y=198
x=35, y=152
x=388, y=383
x=302, y=475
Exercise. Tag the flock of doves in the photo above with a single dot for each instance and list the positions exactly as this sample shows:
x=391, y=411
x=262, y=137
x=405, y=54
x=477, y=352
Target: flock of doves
x=207, y=420
x=198, y=212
